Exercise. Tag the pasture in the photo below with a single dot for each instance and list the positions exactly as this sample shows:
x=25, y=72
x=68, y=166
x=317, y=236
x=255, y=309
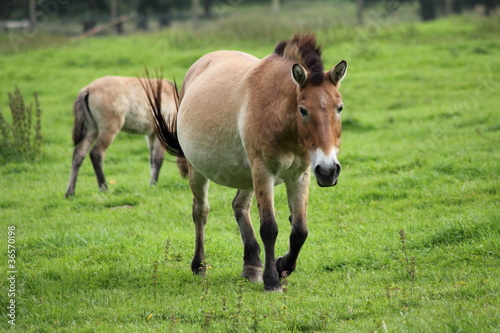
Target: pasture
x=409, y=240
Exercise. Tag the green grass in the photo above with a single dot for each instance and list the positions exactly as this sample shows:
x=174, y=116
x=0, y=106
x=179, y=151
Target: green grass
x=419, y=154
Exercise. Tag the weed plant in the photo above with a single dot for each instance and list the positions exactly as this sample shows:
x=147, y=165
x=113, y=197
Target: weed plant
x=21, y=140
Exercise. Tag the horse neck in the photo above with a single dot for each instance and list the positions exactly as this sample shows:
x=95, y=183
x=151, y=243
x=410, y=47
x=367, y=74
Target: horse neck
x=275, y=99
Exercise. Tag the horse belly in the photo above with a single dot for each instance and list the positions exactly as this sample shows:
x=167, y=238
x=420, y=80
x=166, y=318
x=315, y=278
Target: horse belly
x=223, y=161
x=136, y=123
x=230, y=175
x=208, y=119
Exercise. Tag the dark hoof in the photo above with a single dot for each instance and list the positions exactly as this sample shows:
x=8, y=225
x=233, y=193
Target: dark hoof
x=198, y=268
x=252, y=273
x=274, y=287
x=283, y=271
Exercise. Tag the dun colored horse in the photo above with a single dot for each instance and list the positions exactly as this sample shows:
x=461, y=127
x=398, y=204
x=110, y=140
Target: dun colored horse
x=110, y=105
x=251, y=124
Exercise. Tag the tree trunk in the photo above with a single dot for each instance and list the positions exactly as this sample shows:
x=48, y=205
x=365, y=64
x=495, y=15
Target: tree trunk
x=276, y=6
x=208, y=7
x=361, y=7
x=32, y=10
x=489, y=7
x=447, y=7
x=427, y=10
x=114, y=14
x=195, y=4
x=143, y=23
x=456, y=7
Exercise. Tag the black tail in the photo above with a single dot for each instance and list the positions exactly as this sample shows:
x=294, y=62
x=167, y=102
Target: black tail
x=165, y=131
x=79, y=108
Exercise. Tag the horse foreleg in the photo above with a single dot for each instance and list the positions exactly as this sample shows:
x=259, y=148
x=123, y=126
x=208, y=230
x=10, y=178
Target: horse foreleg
x=252, y=267
x=297, y=191
x=156, y=154
x=263, y=184
x=199, y=187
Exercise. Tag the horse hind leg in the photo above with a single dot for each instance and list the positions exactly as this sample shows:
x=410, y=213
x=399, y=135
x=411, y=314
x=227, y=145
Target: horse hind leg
x=252, y=267
x=79, y=154
x=156, y=155
x=199, y=187
x=97, y=154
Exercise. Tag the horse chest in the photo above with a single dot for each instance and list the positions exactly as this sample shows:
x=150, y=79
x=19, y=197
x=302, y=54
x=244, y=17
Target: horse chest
x=289, y=167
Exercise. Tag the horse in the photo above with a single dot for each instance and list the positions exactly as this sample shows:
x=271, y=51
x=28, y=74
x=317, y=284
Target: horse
x=252, y=124
x=107, y=106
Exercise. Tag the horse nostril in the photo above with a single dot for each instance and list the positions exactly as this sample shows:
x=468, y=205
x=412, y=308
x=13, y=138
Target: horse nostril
x=327, y=173
x=317, y=170
x=338, y=168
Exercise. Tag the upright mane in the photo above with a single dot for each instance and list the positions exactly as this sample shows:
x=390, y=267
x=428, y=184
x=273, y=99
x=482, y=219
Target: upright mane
x=304, y=50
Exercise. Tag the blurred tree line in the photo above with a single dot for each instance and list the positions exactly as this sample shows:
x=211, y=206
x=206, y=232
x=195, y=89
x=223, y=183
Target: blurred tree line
x=430, y=9
x=166, y=9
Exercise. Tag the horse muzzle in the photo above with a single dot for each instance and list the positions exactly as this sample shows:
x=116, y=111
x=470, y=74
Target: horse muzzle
x=327, y=176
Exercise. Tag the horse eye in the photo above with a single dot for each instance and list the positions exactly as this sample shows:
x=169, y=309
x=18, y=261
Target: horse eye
x=340, y=108
x=303, y=111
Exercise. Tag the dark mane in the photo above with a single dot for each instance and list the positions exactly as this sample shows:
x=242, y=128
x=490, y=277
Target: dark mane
x=304, y=50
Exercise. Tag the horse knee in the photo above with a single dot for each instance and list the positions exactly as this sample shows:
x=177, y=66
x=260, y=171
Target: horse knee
x=200, y=211
x=268, y=230
x=183, y=166
x=77, y=159
x=157, y=161
x=240, y=210
x=241, y=205
x=96, y=156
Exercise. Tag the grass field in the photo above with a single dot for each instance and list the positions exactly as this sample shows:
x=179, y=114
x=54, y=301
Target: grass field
x=408, y=241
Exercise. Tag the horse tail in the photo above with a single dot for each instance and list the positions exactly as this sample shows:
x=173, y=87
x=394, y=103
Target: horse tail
x=79, y=108
x=166, y=131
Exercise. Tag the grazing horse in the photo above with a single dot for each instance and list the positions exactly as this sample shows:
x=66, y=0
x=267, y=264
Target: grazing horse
x=110, y=105
x=251, y=124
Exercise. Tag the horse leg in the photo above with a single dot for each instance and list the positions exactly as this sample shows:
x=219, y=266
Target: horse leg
x=252, y=268
x=182, y=165
x=263, y=184
x=297, y=191
x=79, y=153
x=97, y=154
x=199, y=187
x=156, y=154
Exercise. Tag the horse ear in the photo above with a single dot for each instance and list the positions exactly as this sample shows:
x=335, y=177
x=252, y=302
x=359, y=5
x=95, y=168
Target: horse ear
x=299, y=75
x=337, y=73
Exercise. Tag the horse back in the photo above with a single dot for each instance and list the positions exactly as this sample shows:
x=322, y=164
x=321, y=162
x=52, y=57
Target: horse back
x=220, y=69
x=119, y=103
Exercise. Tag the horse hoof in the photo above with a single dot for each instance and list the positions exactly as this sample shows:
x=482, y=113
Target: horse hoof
x=274, y=288
x=252, y=273
x=282, y=272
